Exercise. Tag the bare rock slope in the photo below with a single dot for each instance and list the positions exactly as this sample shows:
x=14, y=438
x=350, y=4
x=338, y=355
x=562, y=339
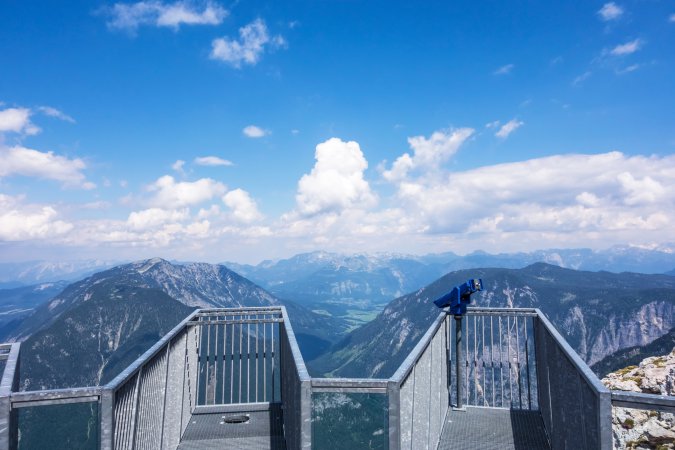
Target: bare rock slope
x=639, y=429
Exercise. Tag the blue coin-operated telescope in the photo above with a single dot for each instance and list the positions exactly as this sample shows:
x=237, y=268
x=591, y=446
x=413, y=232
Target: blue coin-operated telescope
x=460, y=297
x=457, y=300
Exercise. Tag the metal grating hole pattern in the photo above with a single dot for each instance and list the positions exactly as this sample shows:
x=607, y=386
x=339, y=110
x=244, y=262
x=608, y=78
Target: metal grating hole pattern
x=264, y=430
x=493, y=429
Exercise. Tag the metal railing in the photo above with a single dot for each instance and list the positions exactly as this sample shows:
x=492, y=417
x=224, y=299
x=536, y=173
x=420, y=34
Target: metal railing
x=221, y=360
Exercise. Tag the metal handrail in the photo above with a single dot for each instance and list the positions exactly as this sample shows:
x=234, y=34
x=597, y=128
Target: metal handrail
x=639, y=400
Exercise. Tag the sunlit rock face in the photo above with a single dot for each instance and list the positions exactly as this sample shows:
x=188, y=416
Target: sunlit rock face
x=640, y=429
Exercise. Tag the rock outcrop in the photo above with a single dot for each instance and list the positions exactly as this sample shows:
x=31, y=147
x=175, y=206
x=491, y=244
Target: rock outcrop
x=640, y=429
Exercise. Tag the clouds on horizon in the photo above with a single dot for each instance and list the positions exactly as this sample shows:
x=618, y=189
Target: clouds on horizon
x=577, y=199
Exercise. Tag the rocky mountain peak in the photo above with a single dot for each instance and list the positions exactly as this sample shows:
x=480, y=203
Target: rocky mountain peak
x=639, y=429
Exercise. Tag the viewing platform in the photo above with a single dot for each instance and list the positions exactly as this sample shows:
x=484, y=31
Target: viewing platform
x=235, y=378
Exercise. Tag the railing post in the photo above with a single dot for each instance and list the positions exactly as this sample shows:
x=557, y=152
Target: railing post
x=306, y=414
x=394, y=396
x=107, y=406
x=605, y=420
x=10, y=381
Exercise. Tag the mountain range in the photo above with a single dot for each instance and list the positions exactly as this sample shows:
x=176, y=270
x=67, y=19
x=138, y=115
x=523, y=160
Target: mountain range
x=356, y=288
x=108, y=319
x=599, y=313
x=16, y=274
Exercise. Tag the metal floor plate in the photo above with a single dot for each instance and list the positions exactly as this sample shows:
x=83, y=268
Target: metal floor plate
x=493, y=429
x=263, y=431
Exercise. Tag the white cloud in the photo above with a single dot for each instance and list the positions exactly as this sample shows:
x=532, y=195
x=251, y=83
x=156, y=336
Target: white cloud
x=212, y=161
x=129, y=16
x=428, y=153
x=20, y=222
x=671, y=18
x=154, y=217
x=336, y=181
x=53, y=112
x=627, y=48
x=253, y=131
x=244, y=208
x=564, y=195
x=178, y=166
x=504, y=70
x=170, y=194
x=17, y=120
x=508, y=128
x=33, y=163
x=610, y=11
x=253, y=38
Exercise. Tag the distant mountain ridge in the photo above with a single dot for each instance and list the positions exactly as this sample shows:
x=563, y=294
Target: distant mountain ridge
x=35, y=272
x=356, y=287
x=107, y=320
x=598, y=313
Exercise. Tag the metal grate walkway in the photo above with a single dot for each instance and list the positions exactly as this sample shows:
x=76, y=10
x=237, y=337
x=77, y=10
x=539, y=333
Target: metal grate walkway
x=263, y=431
x=493, y=429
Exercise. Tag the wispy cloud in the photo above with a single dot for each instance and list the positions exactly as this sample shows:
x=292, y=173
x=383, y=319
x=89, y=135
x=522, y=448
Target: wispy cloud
x=581, y=78
x=508, y=128
x=253, y=131
x=178, y=166
x=504, y=70
x=212, y=161
x=253, y=39
x=610, y=11
x=631, y=68
x=627, y=48
x=129, y=16
x=671, y=19
x=57, y=114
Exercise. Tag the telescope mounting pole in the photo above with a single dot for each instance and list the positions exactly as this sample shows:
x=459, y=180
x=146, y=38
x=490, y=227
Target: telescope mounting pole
x=459, y=363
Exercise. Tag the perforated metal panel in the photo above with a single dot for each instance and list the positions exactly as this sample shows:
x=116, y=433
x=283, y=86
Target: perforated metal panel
x=493, y=429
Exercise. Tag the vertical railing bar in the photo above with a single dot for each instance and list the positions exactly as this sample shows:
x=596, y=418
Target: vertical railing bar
x=257, y=331
x=518, y=374
x=527, y=365
x=475, y=360
x=248, y=362
x=224, y=359
x=186, y=368
x=215, y=364
x=208, y=354
x=448, y=350
x=492, y=361
x=272, y=351
x=198, y=344
x=232, y=365
x=241, y=331
x=134, y=413
x=508, y=350
x=501, y=363
x=482, y=320
x=166, y=381
x=264, y=361
x=468, y=367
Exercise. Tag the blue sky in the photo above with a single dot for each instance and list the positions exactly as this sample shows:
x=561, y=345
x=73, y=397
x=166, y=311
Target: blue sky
x=247, y=130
